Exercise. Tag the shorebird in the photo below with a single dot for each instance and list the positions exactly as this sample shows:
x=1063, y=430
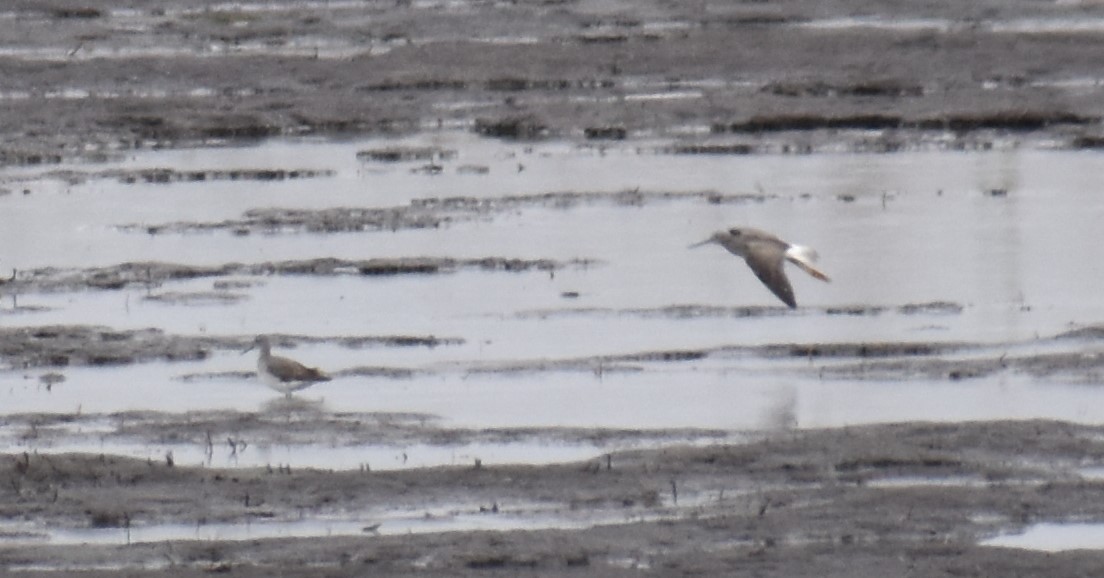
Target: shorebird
x=280, y=373
x=765, y=254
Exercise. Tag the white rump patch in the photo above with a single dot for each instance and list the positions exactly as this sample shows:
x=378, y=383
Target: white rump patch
x=804, y=257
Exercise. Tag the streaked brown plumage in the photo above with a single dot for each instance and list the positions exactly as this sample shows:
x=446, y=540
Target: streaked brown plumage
x=283, y=374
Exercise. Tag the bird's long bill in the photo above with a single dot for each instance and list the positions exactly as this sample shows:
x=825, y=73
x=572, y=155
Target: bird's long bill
x=248, y=349
x=705, y=242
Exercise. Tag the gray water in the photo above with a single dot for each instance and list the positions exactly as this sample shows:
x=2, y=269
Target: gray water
x=1010, y=235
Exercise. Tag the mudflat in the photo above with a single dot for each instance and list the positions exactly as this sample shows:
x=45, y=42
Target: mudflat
x=82, y=83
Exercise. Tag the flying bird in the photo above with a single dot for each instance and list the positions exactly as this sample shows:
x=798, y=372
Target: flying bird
x=765, y=254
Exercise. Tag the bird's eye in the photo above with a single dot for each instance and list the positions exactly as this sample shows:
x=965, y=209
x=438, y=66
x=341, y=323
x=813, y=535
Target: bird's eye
x=734, y=232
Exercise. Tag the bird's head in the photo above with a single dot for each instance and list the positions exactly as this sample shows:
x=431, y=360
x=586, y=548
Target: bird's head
x=261, y=342
x=720, y=238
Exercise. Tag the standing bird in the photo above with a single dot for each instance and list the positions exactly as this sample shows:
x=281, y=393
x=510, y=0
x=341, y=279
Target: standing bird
x=283, y=374
x=765, y=254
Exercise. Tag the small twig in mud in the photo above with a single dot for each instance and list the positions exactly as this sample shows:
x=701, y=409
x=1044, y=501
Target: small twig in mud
x=26, y=465
x=209, y=451
x=149, y=281
x=764, y=506
x=609, y=462
x=169, y=459
x=371, y=528
x=236, y=445
x=674, y=492
x=51, y=379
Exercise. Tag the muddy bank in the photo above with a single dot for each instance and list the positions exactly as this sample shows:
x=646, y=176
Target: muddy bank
x=429, y=213
x=688, y=311
x=1085, y=367
x=303, y=424
x=897, y=497
x=79, y=345
x=1063, y=357
x=90, y=84
x=75, y=345
x=152, y=275
x=1084, y=364
x=794, y=76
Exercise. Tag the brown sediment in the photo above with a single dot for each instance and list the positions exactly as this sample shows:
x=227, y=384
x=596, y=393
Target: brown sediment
x=746, y=67
x=885, y=498
x=428, y=213
x=151, y=275
x=86, y=84
x=77, y=345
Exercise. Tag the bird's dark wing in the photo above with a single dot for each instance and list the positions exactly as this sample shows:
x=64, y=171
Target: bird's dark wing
x=289, y=370
x=765, y=260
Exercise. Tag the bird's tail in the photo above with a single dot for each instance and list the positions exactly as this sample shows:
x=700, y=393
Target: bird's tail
x=804, y=257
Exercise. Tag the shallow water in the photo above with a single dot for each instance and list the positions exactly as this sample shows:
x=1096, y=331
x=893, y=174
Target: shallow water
x=393, y=523
x=1006, y=234
x=1049, y=537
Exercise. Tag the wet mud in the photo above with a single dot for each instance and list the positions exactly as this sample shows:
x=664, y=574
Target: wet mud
x=86, y=84
x=792, y=76
x=72, y=346
x=893, y=498
x=700, y=311
x=429, y=213
x=154, y=275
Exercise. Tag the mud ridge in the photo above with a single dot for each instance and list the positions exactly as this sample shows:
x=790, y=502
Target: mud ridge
x=395, y=154
x=1018, y=121
x=889, y=362
x=150, y=275
x=300, y=423
x=431, y=213
x=1066, y=367
x=783, y=496
x=167, y=175
x=79, y=345
x=633, y=362
x=60, y=346
x=526, y=79
x=692, y=311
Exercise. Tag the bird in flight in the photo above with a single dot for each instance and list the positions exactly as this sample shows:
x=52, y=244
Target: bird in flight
x=766, y=254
